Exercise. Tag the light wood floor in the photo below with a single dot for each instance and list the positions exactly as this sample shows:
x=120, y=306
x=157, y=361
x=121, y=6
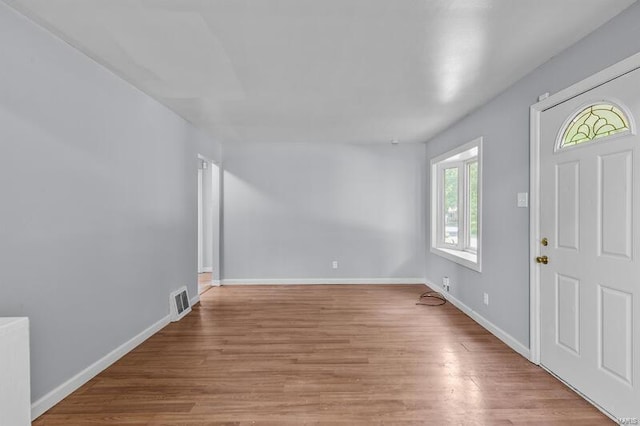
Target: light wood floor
x=204, y=281
x=323, y=354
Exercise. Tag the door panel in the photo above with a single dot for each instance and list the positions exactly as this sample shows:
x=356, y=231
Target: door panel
x=568, y=313
x=568, y=205
x=590, y=288
x=615, y=183
x=616, y=354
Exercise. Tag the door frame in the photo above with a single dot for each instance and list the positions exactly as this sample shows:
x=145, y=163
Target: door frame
x=611, y=73
x=200, y=223
x=216, y=200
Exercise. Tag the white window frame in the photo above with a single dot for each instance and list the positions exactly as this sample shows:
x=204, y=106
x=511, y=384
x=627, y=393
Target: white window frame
x=459, y=158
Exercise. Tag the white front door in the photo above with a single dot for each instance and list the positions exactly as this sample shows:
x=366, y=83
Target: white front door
x=590, y=215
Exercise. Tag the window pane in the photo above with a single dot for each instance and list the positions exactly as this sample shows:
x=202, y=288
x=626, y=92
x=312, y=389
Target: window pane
x=451, y=206
x=595, y=121
x=472, y=173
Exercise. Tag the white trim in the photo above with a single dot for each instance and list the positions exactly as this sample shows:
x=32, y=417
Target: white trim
x=534, y=236
x=202, y=157
x=543, y=96
x=66, y=388
x=194, y=300
x=314, y=281
x=454, y=254
x=200, y=223
x=217, y=200
x=598, y=79
x=488, y=325
x=461, y=257
x=216, y=283
x=458, y=150
x=623, y=67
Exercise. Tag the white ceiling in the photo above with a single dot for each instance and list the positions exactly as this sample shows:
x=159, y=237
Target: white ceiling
x=321, y=70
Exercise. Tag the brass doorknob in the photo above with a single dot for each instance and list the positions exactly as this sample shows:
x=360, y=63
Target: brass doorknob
x=542, y=259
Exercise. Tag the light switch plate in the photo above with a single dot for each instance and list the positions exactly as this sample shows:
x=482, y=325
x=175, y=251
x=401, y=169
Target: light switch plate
x=523, y=199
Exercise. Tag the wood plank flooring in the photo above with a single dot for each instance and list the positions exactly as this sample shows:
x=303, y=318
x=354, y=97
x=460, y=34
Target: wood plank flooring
x=291, y=355
x=204, y=281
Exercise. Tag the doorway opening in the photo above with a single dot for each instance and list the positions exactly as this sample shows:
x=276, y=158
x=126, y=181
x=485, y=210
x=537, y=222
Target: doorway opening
x=208, y=224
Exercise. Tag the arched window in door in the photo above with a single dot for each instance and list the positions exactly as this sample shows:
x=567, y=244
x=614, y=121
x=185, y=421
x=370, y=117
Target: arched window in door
x=593, y=122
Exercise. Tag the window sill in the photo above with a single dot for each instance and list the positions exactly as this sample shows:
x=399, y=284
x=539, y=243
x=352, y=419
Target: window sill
x=464, y=258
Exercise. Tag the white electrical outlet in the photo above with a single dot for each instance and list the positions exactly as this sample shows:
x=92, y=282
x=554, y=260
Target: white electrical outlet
x=486, y=299
x=334, y=264
x=445, y=283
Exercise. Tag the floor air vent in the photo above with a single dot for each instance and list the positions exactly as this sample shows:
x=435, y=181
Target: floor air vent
x=179, y=302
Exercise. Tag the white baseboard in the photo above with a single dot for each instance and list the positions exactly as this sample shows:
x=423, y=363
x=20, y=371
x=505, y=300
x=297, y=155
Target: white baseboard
x=206, y=269
x=66, y=388
x=216, y=283
x=195, y=300
x=491, y=327
x=312, y=281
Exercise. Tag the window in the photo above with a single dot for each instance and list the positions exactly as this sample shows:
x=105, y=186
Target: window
x=593, y=122
x=455, y=204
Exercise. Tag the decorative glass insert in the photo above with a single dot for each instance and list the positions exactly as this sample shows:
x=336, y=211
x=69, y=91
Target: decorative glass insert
x=593, y=122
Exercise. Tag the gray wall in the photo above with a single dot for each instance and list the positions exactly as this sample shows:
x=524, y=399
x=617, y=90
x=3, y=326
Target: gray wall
x=98, y=218
x=290, y=209
x=504, y=123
